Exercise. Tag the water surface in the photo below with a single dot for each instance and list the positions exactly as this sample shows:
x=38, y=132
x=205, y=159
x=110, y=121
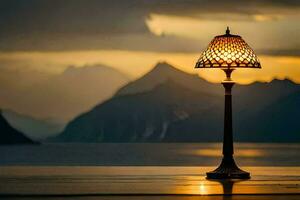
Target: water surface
x=148, y=154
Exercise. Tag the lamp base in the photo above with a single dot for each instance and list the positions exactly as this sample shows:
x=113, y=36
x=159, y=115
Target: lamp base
x=228, y=170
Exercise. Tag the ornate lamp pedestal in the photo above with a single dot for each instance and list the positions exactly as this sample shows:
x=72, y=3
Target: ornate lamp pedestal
x=228, y=168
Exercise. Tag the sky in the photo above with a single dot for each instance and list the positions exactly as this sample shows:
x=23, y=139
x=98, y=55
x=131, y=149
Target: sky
x=41, y=38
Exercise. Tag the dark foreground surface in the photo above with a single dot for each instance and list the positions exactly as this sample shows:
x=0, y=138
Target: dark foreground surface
x=145, y=183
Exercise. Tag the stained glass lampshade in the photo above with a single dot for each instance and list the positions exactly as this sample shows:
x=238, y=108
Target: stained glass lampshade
x=228, y=51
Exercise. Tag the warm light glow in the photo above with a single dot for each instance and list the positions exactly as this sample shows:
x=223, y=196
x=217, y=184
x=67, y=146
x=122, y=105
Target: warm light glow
x=249, y=153
x=228, y=51
x=202, y=188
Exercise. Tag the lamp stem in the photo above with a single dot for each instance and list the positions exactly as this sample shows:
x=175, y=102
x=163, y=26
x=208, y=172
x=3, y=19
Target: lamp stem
x=228, y=138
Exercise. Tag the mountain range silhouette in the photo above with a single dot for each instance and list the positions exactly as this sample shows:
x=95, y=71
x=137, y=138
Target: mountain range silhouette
x=169, y=105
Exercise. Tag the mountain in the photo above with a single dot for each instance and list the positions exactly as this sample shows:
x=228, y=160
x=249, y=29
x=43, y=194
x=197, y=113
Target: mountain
x=143, y=117
x=9, y=135
x=62, y=96
x=168, y=105
x=163, y=72
x=33, y=128
x=256, y=96
x=277, y=122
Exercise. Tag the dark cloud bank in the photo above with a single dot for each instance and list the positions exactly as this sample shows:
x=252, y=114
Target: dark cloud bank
x=111, y=24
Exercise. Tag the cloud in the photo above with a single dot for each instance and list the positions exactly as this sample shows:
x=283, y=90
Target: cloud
x=55, y=25
x=197, y=7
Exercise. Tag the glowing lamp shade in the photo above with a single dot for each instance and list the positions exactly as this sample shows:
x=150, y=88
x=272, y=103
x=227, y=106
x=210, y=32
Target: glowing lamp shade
x=228, y=51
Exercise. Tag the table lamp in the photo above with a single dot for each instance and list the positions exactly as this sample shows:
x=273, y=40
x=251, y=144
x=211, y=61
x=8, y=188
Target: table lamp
x=228, y=52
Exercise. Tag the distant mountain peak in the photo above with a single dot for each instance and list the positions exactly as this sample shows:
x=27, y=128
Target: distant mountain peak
x=161, y=73
x=284, y=80
x=165, y=68
x=163, y=65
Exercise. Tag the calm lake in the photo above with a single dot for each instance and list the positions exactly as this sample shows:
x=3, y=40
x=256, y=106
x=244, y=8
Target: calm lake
x=148, y=154
x=149, y=170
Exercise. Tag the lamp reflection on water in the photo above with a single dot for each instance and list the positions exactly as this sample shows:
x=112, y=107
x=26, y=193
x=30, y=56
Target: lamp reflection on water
x=202, y=188
x=225, y=186
x=240, y=153
x=215, y=152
